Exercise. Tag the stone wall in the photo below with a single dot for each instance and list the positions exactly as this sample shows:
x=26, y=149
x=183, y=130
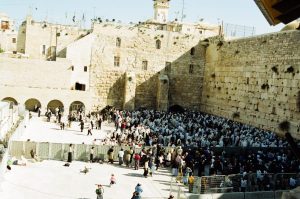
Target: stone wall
x=27, y=79
x=138, y=45
x=35, y=35
x=254, y=80
x=35, y=73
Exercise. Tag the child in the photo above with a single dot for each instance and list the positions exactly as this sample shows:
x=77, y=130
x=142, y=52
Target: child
x=112, y=179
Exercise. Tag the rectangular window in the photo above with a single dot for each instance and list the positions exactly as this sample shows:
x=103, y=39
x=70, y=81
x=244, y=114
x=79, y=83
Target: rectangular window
x=116, y=61
x=145, y=65
x=168, y=67
x=79, y=87
x=44, y=50
x=14, y=40
x=85, y=69
x=191, y=69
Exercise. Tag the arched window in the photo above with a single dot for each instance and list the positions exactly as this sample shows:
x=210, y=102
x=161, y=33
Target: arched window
x=118, y=42
x=193, y=51
x=158, y=44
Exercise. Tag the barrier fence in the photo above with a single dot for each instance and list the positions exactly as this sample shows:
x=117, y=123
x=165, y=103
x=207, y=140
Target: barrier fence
x=59, y=151
x=232, y=183
x=223, y=187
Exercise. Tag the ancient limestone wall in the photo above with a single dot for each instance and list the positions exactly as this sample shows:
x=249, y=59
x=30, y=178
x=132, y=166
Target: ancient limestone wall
x=254, y=80
x=185, y=82
x=139, y=45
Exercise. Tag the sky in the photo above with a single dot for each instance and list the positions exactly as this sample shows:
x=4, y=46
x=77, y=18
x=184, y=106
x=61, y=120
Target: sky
x=237, y=12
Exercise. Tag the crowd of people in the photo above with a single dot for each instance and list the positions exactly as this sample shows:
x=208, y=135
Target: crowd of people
x=196, y=143
x=188, y=129
x=192, y=142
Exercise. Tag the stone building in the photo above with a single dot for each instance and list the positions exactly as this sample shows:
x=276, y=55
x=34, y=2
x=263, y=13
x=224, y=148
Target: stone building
x=43, y=40
x=156, y=64
x=8, y=35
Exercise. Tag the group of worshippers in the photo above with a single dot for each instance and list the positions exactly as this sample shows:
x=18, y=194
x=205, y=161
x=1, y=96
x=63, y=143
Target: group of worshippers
x=206, y=133
x=189, y=128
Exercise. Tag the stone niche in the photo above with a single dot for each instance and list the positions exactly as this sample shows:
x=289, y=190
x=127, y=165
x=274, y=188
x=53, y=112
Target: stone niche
x=129, y=91
x=162, y=99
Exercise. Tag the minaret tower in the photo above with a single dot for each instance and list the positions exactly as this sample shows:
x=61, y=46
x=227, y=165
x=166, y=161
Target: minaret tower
x=161, y=10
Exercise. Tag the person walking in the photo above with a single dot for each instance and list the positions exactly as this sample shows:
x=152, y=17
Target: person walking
x=100, y=192
x=92, y=154
x=70, y=153
x=137, y=158
x=89, y=131
x=121, y=155
x=81, y=125
x=110, y=154
x=146, y=168
x=139, y=189
x=99, y=122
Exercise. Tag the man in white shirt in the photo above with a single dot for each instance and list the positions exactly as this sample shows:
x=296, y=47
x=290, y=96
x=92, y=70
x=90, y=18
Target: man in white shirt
x=121, y=155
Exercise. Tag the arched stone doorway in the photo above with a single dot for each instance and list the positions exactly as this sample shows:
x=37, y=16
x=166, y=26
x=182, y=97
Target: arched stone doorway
x=77, y=106
x=32, y=104
x=53, y=105
x=10, y=99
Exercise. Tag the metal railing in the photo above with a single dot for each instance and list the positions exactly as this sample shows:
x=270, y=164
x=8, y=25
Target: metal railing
x=232, y=183
x=177, y=189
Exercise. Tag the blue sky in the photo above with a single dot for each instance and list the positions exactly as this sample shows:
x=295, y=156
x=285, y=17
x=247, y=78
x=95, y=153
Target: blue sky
x=240, y=12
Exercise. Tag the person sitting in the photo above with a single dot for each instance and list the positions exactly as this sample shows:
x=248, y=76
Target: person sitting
x=15, y=161
x=85, y=170
x=112, y=179
x=34, y=156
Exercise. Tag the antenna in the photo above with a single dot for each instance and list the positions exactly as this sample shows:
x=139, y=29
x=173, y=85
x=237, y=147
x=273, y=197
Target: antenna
x=176, y=14
x=182, y=11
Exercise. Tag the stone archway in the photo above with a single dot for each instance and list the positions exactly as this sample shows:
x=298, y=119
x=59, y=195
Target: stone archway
x=10, y=99
x=32, y=104
x=77, y=106
x=54, y=104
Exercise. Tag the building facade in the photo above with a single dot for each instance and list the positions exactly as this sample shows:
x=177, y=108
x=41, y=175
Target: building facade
x=157, y=64
x=8, y=34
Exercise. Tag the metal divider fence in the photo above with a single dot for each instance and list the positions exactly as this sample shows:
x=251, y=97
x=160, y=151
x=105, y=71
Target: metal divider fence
x=59, y=151
x=211, y=184
x=177, y=189
x=232, y=183
x=281, y=180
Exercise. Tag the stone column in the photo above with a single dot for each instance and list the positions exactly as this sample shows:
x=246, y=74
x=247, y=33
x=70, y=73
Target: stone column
x=162, y=99
x=129, y=91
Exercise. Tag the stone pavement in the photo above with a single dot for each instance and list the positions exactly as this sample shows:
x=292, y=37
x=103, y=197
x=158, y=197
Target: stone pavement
x=41, y=131
x=51, y=180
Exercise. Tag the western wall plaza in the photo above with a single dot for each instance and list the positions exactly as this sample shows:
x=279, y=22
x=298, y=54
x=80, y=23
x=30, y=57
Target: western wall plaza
x=102, y=99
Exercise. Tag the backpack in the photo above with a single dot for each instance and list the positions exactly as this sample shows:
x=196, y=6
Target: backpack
x=98, y=191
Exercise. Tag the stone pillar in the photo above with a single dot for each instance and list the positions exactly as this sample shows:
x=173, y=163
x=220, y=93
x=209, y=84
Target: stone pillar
x=129, y=91
x=162, y=99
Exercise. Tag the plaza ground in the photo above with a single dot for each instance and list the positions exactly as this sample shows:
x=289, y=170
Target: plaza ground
x=51, y=180
x=39, y=130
